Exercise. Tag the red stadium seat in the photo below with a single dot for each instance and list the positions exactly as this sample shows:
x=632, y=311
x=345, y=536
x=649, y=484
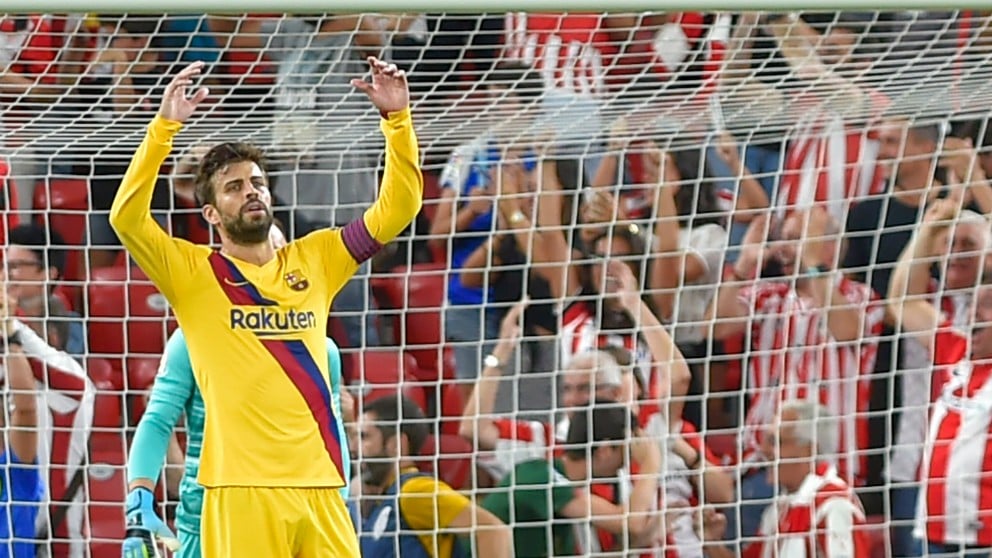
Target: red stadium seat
x=65, y=204
x=450, y=457
x=118, y=295
x=418, y=293
x=381, y=373
x=106, y=485
x=140, y=374
x=108, y=405
x=452, y=408
x=432, y=194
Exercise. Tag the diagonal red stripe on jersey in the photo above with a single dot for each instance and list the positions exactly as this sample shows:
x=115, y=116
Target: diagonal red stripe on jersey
x=238, y=289
x=299, y=365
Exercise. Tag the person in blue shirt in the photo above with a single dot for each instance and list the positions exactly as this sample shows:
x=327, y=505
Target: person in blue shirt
x=22, y=489
x=174, y=393
x=465, y=218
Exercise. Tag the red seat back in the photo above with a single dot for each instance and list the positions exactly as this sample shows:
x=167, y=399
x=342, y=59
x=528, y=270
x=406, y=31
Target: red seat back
x=452, y=408
x=383, y=372
x=417, y=292
x=65, y=204
x=117, y=296
x=140, y=374
x=450, y=457
x=106, y=485
x=108, y=406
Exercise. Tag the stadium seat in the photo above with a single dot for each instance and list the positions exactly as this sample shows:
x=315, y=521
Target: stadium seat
x=432, y=194
x=452, y=408
x=380, y=373
x=64, y=203
x=417, y=294
x=450, y=457
x=106, y=486
x=117, y=295
x=109, y=392
x=140, y=374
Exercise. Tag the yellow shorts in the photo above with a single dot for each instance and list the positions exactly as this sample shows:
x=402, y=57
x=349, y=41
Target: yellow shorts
x=237, y=522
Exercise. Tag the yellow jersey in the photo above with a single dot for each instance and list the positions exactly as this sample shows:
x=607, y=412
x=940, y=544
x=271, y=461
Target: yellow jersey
x=257, y=334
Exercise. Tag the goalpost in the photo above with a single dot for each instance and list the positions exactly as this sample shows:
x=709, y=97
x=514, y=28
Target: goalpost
x=763, y=114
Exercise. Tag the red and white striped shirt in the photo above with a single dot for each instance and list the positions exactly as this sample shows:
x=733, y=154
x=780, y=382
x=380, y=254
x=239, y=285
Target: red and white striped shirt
x=794, y=356
x=830, y=160
x=956, y=507
x=519, y=441
x=68, y=394
x=919, y=389
x=568, y=49
x=680, y=490
x=824, y=518
x=579, y=332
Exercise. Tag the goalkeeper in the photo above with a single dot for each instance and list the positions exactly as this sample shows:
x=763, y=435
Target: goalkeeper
x=254, y=321
x=173, y=394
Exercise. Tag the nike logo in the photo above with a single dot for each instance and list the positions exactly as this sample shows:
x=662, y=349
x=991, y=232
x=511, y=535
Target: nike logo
x=236, y=284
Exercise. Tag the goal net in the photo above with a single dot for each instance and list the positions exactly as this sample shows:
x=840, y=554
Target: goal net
x=703, y=210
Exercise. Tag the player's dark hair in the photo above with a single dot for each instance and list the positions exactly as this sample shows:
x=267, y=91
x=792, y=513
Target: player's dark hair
x=396, y=415
x=604, y=423
x=219, y=157
x=44, y=243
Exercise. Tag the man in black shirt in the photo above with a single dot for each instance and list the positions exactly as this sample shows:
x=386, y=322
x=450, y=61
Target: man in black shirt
x=878, y=230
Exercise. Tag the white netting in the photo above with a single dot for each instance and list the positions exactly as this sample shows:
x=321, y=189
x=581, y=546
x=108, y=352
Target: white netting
x=761, y=117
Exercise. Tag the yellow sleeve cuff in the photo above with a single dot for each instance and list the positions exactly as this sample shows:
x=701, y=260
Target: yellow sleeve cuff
x=398, y=118
x=163, y=129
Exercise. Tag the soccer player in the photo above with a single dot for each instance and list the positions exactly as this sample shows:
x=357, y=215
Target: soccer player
x=254, y=320
x=173, y=394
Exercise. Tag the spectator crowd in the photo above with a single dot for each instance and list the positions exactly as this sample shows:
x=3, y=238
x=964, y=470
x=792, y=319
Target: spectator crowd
x=684, y=284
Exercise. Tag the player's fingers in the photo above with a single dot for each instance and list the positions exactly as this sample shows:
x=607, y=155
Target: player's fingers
x=361, y=85
x=166, y=535
x=200, y=95
x=192, y=70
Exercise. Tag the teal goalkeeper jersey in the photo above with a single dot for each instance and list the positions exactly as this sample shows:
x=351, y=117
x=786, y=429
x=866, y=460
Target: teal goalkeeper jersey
x=175, y=393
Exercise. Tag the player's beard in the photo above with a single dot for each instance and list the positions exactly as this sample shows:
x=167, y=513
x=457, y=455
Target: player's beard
x=246, y=232
x=377, y=469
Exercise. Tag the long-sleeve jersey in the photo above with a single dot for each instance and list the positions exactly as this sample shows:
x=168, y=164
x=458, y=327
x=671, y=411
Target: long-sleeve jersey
x=256, y=333
x=175, y=394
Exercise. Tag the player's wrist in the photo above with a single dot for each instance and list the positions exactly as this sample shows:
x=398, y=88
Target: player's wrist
x=139, y=498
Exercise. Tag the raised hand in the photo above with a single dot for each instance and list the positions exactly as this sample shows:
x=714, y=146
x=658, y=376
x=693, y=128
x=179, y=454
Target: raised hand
x=726, y=149
x=940, y=214
x=176, y=105
x=621, y=279
x=388, y=89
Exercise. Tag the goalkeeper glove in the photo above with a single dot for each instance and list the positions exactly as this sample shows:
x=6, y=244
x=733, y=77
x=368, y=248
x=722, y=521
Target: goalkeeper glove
x=143, y=525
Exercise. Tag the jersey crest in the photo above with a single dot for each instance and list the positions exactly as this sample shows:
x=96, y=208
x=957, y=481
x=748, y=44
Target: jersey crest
x=296, y=281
